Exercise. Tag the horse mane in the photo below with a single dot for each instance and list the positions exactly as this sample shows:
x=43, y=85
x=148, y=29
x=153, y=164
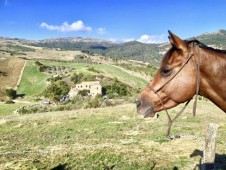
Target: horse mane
x=196, y=42
x=201, y=45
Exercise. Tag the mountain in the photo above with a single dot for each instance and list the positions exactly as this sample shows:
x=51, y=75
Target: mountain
x=215, y=39
x=76, y=43
x=129, y=50
x=133, y=50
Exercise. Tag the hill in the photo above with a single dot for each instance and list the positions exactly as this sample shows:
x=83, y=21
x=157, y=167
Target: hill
x=130, y=50
x=134, y=50
x=215, y=39
x=151, y=53
x=108, y=137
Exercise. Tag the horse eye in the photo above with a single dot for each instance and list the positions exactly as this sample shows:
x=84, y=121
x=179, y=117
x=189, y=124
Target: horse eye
x=166, y=71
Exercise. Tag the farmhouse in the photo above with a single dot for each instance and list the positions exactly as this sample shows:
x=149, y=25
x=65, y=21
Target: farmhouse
x=93, y=87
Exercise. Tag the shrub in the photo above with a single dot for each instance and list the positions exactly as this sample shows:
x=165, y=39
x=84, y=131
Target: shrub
x=11, y=93
x=94, y=103
x=84, y=92
x=55, y=90
x=117, y=88
x=38, y=63
x=76, y=78
x=93, y=70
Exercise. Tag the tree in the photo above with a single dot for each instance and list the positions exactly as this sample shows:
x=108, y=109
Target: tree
x=76, y=78
x=11, y=93
x=56, y=90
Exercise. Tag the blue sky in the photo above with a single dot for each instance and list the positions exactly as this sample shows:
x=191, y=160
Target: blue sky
x=119, y=20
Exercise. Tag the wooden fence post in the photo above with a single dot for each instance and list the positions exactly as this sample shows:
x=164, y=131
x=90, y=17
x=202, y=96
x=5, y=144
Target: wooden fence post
x=210, y=147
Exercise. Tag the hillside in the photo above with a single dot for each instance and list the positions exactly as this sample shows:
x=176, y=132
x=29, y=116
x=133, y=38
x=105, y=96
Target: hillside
x=108, y=137
x=215, y=39
x=130, y=50
x=134, y=50
x=151, y=53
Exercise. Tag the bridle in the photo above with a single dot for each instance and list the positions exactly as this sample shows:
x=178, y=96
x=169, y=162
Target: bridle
x=170, y=120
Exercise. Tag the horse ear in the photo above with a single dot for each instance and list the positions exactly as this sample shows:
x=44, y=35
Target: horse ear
x=177, y=42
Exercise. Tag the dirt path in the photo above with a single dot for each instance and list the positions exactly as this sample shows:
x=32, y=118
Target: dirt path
x=20, y=76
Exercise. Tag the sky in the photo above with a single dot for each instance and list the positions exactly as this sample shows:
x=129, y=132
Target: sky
x=147, y=21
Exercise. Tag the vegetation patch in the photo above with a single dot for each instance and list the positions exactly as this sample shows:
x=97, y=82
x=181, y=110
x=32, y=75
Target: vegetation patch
x=33, y=81
x=114, y=137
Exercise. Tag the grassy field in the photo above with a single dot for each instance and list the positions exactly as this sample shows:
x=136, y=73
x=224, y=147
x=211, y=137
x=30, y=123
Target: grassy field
x=33, y=81
x=107, y=70
x=7, y=109
x=108, y=138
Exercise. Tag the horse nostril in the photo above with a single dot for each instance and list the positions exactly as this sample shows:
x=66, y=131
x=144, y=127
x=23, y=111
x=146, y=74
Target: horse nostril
x=138, y=103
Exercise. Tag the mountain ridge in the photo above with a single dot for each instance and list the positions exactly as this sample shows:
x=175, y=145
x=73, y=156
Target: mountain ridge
x=132, y=50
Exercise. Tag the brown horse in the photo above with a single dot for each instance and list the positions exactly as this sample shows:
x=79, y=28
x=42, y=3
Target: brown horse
x=188, y=68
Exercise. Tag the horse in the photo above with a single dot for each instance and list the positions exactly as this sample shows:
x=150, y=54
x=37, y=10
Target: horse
x=187, y=69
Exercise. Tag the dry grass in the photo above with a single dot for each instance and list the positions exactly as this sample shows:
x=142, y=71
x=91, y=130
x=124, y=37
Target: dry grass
x=108, y=137
x=52, y=54
x=12, y=68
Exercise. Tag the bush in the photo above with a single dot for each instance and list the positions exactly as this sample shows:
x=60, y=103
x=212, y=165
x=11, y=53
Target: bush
x=78, y=78
x=93, y=70
x=117, y=88
x=38, y=63
x=11, y=93
x=55, y=90
x=84, y=92
x=94, y=103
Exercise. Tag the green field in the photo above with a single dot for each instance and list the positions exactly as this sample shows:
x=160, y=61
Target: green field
x=103, y=138
x=104, y=69
x=7, y=109
x=107, y=138
x=33, y=82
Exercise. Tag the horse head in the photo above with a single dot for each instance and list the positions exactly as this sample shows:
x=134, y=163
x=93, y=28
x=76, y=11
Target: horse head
x=175, y=81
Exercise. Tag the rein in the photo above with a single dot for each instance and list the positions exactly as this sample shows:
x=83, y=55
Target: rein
x=170, y=120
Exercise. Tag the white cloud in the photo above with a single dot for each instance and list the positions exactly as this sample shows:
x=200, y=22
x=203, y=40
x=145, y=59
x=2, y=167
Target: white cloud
x=113, y=40
x=152, y=38
x=65, y=27
x=128, y=40
x=101, y=31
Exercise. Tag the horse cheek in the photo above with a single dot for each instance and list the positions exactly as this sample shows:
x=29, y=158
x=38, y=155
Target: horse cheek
x=185, y=90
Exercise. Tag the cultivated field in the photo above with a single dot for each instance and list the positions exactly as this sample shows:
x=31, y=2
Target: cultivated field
x=10, y=71
x=108, y=138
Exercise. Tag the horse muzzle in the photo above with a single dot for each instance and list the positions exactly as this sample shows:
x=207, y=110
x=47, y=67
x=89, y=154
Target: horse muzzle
x=145, y=109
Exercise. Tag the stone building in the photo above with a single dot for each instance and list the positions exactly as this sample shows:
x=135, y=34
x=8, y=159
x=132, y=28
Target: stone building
x=93, y=87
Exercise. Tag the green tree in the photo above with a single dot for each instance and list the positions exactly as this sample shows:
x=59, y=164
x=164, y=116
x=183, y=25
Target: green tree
x=76, y=78
x=55, y=90
x=11, y=93
x=83, y=92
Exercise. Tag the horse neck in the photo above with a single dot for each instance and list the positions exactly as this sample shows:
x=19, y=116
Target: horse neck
x=213, y=76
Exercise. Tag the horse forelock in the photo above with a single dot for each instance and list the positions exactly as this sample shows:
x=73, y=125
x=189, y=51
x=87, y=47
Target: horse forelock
x=167, y=56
